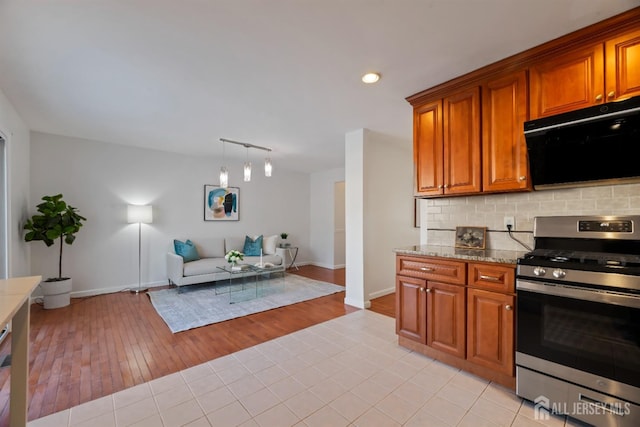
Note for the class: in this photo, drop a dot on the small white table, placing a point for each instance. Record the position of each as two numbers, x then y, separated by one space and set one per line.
288 251
15 306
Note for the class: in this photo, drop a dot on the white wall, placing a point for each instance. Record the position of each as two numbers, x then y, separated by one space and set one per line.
100 179
379 207
16 133
388 209
442 215
322 220
354 219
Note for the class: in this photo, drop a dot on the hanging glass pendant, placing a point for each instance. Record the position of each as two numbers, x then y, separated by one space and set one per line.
267 167
247 171
224 177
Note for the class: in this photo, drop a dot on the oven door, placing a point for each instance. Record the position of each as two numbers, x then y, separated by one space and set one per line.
583 329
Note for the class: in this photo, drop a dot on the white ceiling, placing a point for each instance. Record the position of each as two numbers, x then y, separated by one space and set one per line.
179 75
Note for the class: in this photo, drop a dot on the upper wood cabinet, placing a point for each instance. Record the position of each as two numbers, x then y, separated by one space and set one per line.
623 66
468 131
586 76
427 149
567 82
462 142
504 151
447 145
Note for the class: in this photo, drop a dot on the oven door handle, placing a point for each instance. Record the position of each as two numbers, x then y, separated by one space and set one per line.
601 296
602 406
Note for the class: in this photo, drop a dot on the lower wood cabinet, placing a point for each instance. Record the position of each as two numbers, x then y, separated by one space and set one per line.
490 330
445 318
411 309
465 319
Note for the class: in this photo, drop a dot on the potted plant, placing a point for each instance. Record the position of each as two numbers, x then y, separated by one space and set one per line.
55 221
284 244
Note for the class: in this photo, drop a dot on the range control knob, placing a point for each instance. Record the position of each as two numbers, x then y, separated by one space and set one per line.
559 273
539 271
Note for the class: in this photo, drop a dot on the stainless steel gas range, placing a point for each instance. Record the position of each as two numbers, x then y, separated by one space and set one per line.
578 319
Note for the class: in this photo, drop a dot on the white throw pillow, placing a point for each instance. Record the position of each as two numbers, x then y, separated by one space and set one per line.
269 244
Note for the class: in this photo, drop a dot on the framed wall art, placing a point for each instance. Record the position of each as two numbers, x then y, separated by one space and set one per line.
221 204
471 237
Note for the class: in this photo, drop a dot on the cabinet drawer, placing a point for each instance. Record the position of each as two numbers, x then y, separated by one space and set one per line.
432 269
493 277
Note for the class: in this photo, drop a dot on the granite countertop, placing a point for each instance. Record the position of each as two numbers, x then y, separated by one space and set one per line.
486 255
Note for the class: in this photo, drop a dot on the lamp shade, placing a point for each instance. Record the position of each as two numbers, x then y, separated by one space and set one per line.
140 213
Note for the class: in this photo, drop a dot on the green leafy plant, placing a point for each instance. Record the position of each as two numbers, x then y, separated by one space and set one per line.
234 256
284 235
55 221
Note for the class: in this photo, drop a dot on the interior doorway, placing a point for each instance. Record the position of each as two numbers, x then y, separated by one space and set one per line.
339 243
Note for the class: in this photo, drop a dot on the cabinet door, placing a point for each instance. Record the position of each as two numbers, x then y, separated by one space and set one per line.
462 142
490 339
623 66
411 306
427 149
504 151
567 82
446 318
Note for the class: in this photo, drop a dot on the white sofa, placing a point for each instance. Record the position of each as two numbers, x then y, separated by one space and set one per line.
211 251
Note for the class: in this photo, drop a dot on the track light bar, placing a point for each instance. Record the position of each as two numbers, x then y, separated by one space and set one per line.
245 144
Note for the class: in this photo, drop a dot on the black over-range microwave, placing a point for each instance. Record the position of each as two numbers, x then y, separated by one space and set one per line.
592 146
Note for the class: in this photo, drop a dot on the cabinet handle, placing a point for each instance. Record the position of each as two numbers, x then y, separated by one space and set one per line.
508 307
490 278
426 269
523 178
611 94
440 186
446 186
599 97
427 290
421 289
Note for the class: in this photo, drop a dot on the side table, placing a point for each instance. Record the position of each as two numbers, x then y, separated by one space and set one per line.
290 252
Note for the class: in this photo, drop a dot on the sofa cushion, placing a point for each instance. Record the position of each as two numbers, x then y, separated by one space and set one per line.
187 250
204 266
211 247
252 247
269 244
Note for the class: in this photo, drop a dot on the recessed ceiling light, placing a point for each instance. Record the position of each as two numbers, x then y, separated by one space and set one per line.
371 77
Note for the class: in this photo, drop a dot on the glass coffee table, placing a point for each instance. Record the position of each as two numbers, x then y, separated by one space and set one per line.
252 282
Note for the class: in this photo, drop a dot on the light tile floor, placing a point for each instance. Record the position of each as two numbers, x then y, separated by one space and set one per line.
348 371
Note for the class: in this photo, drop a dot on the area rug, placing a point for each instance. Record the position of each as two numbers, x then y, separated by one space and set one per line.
193 306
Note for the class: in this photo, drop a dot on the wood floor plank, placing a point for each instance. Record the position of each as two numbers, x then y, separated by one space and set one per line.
103 344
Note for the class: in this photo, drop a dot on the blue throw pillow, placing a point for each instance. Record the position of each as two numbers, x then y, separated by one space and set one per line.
252 247
187 250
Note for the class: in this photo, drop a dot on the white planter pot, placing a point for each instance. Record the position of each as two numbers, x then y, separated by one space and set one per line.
56 294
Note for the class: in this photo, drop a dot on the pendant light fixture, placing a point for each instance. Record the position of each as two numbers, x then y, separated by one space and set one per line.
247 168
267 167
224 173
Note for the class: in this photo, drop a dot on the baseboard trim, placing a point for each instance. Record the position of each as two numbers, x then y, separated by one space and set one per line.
357 304
102 291
382 293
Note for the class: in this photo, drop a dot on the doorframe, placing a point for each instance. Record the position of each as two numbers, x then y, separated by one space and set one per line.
4 206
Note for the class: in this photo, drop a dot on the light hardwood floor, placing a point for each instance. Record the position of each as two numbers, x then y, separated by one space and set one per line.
107 343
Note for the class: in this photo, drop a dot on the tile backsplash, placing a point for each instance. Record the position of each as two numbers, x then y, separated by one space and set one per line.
439 217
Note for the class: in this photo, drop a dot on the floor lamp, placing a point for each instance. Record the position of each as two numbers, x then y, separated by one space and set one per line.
140 215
